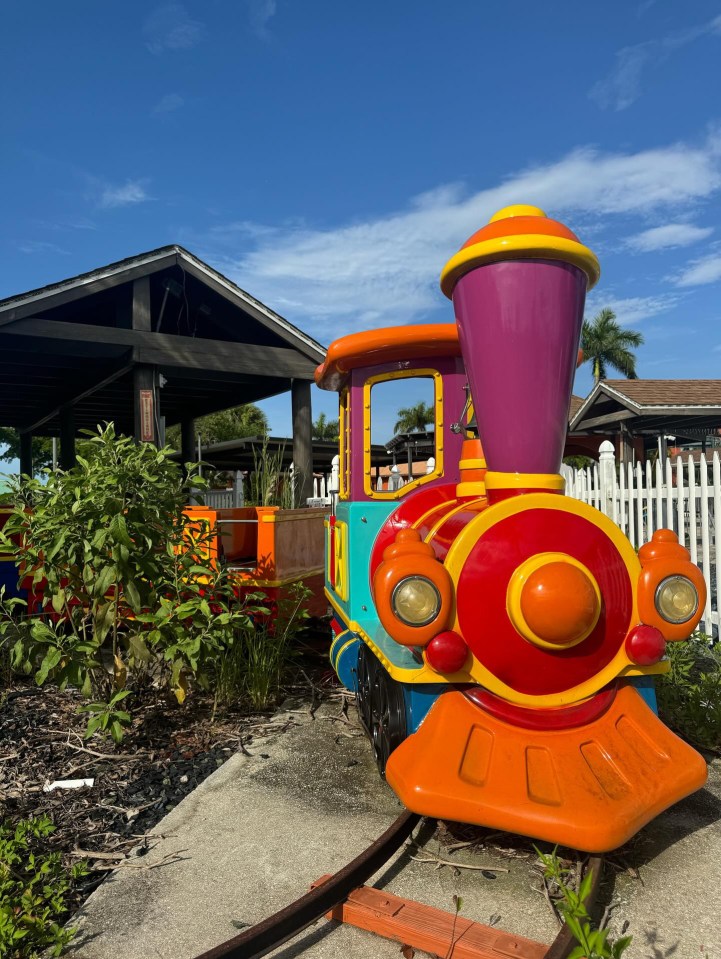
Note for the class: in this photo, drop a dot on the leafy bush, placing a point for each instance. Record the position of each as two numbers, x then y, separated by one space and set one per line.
34 890
689 696
133 594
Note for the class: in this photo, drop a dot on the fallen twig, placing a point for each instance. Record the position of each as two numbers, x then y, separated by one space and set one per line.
459 865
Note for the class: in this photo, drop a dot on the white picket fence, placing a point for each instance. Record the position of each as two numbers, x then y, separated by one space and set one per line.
683 495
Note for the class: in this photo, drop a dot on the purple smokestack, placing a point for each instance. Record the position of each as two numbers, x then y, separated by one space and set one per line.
519 289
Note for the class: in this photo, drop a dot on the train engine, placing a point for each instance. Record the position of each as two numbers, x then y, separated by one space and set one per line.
502 638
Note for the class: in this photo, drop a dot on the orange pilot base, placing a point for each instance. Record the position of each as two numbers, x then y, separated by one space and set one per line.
591 786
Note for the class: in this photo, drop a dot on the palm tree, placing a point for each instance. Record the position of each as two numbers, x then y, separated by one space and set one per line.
414 419
604 343
325 429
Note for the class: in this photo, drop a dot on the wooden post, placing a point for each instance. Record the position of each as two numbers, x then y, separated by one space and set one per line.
26 454
67 438
145 398
302 439
145 394
625 445
187 441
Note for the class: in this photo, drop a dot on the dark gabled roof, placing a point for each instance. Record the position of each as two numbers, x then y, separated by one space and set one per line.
113 274
74 344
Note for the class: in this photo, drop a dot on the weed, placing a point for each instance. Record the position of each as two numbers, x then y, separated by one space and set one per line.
34 890
593 943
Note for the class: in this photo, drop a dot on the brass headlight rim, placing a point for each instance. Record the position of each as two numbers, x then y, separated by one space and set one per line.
428 620
663 583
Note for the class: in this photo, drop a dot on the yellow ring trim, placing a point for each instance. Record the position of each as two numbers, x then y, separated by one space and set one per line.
495 480
515 589
468 537
334 659
530 245
473 488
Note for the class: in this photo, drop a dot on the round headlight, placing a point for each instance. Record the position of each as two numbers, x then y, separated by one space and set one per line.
416 601
676 599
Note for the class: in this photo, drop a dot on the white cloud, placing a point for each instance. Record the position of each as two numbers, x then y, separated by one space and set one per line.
169 103
260 13
128 194
667 237
631 310
622 86
170 27
699 272
388 267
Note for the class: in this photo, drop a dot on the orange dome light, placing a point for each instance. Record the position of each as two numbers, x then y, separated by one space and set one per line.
553 601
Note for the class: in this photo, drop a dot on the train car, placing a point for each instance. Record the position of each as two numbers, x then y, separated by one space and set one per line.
502 638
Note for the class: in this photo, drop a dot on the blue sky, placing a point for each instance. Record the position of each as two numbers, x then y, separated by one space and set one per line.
329 157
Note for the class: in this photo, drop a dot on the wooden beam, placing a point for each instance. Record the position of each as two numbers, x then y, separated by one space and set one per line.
141 304
170 350
71 400
606 420
302 440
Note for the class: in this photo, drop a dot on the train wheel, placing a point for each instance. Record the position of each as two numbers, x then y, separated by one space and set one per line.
388 718
367 668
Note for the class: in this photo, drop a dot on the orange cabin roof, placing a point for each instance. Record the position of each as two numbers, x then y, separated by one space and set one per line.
386 345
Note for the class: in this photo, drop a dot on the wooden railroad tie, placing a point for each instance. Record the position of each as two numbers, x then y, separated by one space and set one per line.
429 929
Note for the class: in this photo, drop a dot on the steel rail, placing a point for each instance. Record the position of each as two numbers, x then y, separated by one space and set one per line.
283 925
272 932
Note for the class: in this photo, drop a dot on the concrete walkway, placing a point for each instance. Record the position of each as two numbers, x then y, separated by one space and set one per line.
257 832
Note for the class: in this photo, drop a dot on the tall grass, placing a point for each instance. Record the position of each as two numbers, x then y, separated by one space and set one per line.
253 670
270 484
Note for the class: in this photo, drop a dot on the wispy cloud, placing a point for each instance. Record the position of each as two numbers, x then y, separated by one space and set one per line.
169 103
41 246
707 269
385 270
170 27
260 13
668 237
622 86
631 310
127 194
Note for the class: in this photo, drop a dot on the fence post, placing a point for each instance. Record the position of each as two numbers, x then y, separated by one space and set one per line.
238 491
607 469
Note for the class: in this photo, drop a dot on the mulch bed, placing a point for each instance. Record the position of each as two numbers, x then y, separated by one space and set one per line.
166 753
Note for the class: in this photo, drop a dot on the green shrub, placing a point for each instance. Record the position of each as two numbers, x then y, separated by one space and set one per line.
689 696
34 891
134 600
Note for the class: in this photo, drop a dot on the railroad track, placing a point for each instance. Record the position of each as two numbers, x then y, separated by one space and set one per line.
333 891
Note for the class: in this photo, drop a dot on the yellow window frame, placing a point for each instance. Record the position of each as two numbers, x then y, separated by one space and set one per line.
344 430
438 424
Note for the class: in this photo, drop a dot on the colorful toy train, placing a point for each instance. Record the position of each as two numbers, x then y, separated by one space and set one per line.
501 637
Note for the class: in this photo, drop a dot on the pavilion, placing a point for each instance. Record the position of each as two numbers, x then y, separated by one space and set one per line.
156 338
635 414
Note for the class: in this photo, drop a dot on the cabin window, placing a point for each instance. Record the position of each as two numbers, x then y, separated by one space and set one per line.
403 412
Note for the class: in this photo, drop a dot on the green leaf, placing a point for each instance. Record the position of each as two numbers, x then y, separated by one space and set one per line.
119 530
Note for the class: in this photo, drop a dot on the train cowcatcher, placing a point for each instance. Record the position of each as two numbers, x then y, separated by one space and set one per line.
501 637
